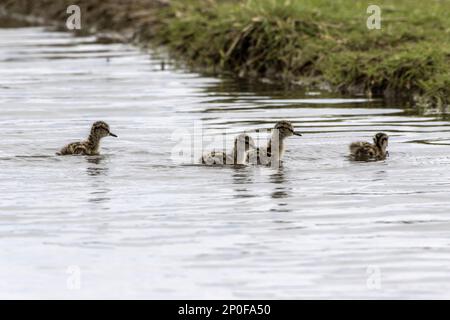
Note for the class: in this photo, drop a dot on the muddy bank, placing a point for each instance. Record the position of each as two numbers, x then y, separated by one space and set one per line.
312 43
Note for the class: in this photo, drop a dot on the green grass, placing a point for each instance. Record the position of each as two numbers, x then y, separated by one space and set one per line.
316 40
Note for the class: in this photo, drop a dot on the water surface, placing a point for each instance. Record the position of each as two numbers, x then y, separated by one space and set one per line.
137 224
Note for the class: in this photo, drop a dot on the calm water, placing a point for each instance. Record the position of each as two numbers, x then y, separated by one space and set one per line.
133 223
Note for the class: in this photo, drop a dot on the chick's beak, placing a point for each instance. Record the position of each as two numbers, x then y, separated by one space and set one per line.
297 133
112 134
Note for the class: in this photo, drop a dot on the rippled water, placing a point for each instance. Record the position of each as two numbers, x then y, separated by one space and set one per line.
137 224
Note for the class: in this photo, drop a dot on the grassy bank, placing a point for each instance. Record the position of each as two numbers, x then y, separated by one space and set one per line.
315 43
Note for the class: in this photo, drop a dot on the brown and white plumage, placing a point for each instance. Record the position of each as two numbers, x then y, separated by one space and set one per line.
242 144
281 131
365 151
90 146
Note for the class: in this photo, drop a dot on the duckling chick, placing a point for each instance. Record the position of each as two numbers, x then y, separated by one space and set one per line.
365 151
282 130
90 146
242 144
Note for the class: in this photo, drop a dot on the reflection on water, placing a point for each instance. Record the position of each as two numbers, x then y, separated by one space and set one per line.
141 226
98 170
98 167
100 196
242 178
280 189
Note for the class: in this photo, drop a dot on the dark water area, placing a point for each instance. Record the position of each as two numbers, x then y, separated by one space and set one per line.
139 222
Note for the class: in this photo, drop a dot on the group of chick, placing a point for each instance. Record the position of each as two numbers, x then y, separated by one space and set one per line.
244 150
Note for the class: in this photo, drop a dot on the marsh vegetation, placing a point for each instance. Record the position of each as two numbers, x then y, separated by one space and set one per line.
315 43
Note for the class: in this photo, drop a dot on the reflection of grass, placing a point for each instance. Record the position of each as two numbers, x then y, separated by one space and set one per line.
310 41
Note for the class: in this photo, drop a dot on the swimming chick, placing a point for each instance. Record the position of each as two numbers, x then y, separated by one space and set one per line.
365 151
242 144
282 130
90 146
